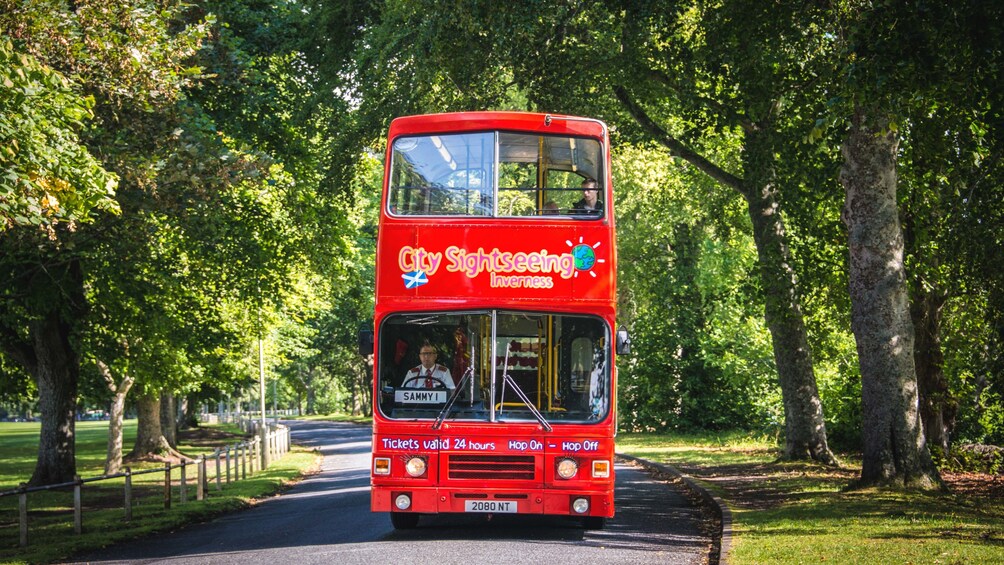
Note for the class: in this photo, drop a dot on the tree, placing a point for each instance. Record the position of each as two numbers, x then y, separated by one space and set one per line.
896 74
895 451
49 184
633 65
136 66
119 389
901 87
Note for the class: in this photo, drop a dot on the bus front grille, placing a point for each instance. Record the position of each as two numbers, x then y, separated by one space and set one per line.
512 467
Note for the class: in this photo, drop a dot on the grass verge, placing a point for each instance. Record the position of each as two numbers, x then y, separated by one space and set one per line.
50 534
800 513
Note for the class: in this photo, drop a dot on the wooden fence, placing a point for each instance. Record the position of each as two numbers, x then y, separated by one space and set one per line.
236 461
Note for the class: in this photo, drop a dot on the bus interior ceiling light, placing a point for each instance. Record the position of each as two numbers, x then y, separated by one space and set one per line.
444 152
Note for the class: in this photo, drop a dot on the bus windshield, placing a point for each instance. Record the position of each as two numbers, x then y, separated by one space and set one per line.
503 366
463 174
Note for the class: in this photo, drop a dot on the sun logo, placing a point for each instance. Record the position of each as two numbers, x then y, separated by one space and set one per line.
584 256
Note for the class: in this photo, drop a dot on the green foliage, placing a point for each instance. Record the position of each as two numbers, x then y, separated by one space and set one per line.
701 357
246 141
47 175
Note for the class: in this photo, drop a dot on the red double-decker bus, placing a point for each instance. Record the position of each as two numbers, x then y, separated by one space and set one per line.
494 380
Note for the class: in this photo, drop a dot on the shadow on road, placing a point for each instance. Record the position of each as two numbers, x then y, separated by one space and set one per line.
326 518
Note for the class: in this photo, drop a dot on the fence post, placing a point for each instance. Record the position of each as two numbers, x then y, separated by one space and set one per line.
128 494
228 464
256 448
218 485
184 481
77 510
200 490
244 461
167 486
22 503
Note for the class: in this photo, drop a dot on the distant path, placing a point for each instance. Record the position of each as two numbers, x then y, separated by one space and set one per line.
326 519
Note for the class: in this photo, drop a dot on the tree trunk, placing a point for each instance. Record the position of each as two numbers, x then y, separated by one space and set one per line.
937 406
149 436
895 450
805 428
189 414
113 457
169 419
353 397
56 372
310 386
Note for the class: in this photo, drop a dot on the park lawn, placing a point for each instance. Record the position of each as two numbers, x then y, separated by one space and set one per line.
801 512
50 534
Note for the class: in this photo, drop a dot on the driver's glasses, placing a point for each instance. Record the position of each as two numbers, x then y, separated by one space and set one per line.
427 353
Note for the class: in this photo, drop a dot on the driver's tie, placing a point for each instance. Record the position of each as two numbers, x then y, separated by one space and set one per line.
428 381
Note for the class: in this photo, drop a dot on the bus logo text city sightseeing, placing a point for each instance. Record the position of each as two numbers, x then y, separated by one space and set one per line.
506 269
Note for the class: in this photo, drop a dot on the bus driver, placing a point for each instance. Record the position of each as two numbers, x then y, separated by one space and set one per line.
432 372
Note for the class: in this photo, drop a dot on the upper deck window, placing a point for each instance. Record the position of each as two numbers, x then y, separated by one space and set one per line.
457 174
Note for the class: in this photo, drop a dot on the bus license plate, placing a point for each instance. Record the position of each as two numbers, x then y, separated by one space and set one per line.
494 506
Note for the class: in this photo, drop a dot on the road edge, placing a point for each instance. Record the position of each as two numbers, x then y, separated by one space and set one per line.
722 535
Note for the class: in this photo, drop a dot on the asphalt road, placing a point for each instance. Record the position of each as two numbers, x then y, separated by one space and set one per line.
326 519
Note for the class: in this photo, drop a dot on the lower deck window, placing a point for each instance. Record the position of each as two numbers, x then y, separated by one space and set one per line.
500 366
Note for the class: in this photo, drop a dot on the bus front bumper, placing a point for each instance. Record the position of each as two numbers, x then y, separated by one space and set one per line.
435 500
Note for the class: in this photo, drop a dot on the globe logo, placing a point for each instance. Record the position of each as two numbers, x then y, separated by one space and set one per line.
584 257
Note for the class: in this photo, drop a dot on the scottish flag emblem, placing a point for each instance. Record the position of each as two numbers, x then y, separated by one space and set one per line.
414 279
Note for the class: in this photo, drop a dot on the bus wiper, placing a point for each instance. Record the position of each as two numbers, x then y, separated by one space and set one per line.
453 398
468 377
506 378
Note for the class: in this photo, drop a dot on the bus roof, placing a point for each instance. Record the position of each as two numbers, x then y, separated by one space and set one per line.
556 124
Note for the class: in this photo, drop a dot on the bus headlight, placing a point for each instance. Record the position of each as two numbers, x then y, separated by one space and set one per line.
567 468
415 466
601 469
381 465
402 501
580 505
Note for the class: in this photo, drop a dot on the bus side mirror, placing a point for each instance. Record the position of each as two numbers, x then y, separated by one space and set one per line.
623 341
365 342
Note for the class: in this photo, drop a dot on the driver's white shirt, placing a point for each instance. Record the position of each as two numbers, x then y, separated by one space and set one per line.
438 372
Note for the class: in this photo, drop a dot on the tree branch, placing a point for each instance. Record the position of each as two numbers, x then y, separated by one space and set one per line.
18 349
674 145
106 373
734 117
